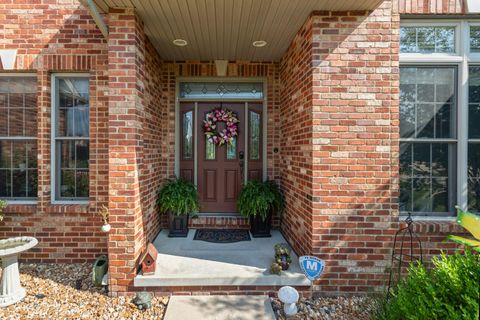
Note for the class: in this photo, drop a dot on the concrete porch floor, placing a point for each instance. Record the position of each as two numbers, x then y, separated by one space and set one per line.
188 262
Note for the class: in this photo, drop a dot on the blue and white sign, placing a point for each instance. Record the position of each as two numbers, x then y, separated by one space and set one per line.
311 266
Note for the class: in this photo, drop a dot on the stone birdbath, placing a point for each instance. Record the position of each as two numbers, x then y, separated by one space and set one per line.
11 291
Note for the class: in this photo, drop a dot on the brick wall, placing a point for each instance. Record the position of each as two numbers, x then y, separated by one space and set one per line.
340 110
296 150
431 6
155 167
64 38
355 107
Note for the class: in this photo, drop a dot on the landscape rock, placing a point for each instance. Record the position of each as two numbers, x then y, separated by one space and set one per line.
328 308
52 294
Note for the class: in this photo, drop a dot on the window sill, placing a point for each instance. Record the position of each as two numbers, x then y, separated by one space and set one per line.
429 219
439 226
21 202
71 202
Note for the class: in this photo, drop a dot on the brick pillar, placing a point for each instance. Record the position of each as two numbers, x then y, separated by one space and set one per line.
340 149
125 63
355 176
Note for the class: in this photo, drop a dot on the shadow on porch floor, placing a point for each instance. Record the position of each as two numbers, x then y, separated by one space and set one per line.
188 262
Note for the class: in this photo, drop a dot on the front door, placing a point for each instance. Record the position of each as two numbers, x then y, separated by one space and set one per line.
220 170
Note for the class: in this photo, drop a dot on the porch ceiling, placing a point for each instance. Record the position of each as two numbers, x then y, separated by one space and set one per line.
225 29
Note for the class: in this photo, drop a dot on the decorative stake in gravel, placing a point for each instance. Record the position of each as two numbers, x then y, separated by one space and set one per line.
289 296
11 291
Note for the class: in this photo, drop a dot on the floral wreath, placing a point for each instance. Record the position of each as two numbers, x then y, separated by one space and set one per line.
228 134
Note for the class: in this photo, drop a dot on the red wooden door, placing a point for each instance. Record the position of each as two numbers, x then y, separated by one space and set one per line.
220 170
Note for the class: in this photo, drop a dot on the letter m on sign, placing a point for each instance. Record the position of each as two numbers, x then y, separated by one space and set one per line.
311 266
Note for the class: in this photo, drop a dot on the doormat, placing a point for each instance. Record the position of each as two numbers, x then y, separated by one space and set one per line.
222 235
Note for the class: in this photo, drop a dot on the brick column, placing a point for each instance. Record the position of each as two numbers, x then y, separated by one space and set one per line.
125 61
355 169
340 132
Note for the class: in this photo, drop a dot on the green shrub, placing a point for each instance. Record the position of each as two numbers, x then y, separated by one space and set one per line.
450 290
178 197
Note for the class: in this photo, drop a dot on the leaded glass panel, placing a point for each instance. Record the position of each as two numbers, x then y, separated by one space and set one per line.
254 135
221 90
187 135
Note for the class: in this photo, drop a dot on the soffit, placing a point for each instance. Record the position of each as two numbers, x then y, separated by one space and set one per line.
225 29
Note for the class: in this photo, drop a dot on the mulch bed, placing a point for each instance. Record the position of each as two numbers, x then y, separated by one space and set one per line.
52 294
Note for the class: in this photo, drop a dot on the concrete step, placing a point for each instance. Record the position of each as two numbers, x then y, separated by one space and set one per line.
219 308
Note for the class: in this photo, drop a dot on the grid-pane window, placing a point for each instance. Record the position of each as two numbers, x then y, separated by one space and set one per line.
71 135
427 39
18 137
474 138
474 38
428 139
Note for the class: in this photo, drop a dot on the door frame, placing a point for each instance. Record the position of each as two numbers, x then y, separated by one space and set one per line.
264 101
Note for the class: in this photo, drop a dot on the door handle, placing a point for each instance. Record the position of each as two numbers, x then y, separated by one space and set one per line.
241 155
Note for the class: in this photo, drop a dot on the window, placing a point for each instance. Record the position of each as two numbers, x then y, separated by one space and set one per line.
474 138
187 135
222 90
254 135
427 39
70 137
428 133
475 39
439 117
18 137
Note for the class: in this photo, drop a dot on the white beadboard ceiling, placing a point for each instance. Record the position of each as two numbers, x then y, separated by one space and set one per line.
225 29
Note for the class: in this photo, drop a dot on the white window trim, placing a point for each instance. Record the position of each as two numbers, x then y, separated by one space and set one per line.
5 73
53 162
462 59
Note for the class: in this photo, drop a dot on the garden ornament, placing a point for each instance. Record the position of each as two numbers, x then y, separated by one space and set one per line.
11 291
407 249
282 255
275 268
143 300
289 296
471 222
100 268
105 214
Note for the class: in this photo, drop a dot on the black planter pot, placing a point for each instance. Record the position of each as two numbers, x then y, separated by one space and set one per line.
178 226
261 228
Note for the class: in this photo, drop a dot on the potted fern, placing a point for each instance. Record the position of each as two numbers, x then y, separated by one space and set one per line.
179 199
258 201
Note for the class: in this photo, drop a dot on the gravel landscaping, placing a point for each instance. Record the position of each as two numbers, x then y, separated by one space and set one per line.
52 294
352 308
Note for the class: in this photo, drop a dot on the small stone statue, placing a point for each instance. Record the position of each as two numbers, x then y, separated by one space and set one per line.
143 300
